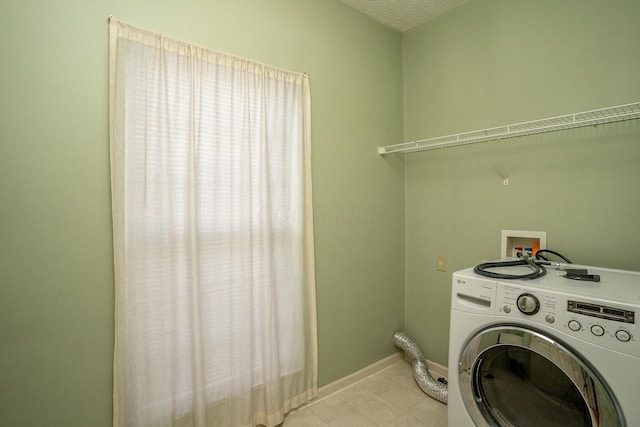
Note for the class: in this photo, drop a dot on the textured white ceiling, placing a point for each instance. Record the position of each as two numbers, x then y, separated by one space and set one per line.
402 15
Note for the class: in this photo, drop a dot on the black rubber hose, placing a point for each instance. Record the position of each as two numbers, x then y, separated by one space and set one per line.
538 270
559 255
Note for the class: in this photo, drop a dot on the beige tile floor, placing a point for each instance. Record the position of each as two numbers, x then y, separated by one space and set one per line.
388 398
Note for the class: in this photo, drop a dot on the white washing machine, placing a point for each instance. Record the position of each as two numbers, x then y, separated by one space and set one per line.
545 352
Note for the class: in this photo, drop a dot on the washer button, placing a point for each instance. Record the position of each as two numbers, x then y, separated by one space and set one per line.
549 318
506 309
623 336
597 330
574 325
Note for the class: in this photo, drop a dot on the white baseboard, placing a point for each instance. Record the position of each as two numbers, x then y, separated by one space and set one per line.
436 370
357 376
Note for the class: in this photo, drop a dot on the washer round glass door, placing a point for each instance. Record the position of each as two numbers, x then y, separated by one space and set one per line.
512 376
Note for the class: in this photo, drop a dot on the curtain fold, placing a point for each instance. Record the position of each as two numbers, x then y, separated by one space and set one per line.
215 317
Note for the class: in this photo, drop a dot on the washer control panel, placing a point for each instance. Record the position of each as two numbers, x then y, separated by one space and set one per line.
607 325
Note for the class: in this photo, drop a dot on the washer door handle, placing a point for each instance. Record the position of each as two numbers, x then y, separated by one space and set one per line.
476 380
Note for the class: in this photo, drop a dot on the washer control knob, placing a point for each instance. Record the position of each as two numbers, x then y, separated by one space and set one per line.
574 325
506 309
597 330
549 318
623 336
528 304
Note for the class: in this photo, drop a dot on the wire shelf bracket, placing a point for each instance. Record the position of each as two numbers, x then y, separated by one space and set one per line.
551 124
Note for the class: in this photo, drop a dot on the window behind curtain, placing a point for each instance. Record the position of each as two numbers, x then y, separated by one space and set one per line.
215 307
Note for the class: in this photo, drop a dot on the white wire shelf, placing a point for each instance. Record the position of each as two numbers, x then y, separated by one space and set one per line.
551 124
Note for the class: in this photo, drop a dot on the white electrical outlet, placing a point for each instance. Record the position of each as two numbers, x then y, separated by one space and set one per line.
441 263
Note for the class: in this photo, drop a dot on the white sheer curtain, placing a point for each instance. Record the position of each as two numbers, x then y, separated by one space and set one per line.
213 242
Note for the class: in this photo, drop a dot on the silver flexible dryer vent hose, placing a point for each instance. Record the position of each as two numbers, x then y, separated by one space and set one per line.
433 388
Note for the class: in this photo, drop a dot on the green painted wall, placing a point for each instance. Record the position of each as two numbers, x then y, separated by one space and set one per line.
487 63
56 271
495 62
